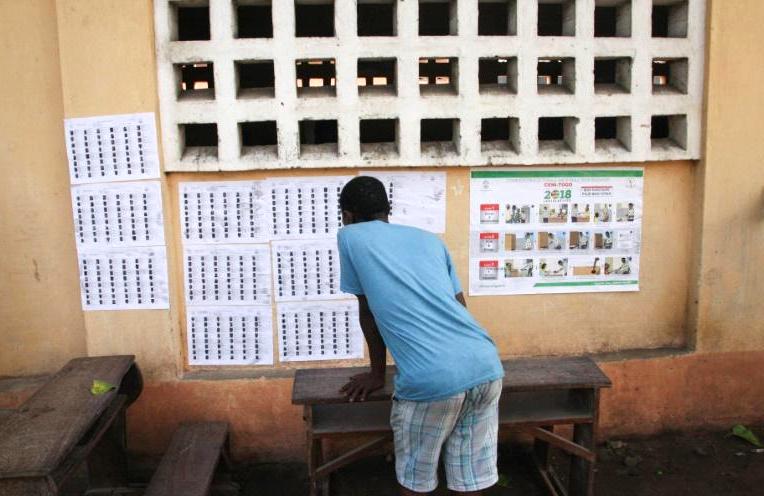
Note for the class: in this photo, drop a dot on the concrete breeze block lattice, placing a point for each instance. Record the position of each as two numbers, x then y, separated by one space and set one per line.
625 61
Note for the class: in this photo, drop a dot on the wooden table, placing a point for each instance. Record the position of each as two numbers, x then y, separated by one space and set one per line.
538 394
63 426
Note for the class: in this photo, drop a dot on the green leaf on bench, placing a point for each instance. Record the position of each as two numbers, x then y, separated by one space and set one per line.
101 387
743 432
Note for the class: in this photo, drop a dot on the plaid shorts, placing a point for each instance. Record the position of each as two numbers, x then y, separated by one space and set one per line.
464 426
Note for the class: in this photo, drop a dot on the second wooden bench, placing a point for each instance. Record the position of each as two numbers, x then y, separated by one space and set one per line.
188 466
538 394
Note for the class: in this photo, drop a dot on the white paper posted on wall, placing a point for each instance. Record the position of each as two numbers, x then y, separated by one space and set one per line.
306 208
123 278
225 212
306 270
417 199
227 275
535 231
229 335
319 331
112 148
118 214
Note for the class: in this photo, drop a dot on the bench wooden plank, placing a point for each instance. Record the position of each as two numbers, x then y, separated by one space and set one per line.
80 452
44 429
5 413
515 409
321 386
368 417
188 466
523 408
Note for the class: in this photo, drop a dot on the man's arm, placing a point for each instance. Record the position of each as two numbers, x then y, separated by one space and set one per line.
361 385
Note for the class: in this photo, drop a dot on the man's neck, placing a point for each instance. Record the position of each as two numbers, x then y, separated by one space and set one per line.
382 217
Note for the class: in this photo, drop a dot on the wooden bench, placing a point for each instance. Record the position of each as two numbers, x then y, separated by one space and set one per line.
189 464
538 394
5 413
63 425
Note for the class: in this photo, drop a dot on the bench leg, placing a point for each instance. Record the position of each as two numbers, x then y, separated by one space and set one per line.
325 482
107 462
314 451
541 449
582 471
541 455
314 461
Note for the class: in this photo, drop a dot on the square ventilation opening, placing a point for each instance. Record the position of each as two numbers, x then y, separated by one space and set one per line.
318 138
612 75
557 134
376 77
556 18
670 18
379 137
314 18
439 137
316 77
612 134
195 81
497 17
254 19
556 76
498 75
668 132
500 134
438 76
189 20
670 76
377 18
255 79
258 139
612 18
199 141
437 18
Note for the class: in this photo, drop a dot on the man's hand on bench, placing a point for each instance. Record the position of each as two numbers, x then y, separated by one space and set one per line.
361 385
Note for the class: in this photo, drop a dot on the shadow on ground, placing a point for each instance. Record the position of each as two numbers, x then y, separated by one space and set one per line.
374 476
674 464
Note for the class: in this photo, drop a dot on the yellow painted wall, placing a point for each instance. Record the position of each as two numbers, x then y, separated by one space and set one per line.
730 249
41 322
703 239
108 67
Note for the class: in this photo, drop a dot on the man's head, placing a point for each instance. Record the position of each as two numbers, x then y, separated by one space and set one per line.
363 199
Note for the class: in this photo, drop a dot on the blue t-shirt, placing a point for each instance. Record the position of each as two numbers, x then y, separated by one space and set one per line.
409 281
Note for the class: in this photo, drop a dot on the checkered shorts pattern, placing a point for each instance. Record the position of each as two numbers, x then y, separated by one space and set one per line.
465 427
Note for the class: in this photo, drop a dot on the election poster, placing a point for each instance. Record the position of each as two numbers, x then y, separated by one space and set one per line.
555 230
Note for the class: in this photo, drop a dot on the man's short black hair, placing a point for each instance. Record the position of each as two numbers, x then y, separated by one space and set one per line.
365 197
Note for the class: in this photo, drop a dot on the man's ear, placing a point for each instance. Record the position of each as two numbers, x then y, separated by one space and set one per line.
347 218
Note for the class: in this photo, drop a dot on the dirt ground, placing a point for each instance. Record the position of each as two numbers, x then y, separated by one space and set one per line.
674 464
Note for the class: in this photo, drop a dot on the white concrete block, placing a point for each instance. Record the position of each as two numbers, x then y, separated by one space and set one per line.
634 101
